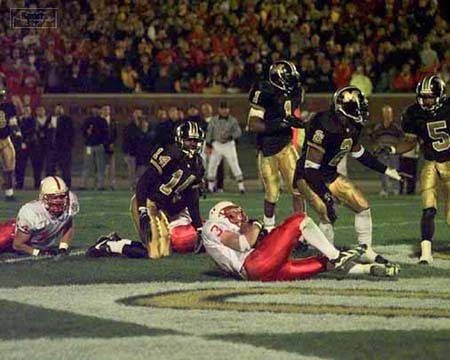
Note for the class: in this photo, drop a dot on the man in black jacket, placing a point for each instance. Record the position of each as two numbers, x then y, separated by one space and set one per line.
110 151
61 140
130 139
95 134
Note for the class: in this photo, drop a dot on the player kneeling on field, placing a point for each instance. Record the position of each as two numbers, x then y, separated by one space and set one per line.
43 226
183 239
242 248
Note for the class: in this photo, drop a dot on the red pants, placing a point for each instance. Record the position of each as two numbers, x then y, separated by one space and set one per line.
270 260
7 231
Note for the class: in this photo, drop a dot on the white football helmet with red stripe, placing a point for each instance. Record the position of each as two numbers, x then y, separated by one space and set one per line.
229 211
54 194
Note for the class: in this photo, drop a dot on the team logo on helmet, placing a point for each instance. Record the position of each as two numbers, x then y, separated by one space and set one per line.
352 103
189 136
54 194
430 93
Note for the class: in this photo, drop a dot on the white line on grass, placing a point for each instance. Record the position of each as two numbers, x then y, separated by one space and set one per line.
39 258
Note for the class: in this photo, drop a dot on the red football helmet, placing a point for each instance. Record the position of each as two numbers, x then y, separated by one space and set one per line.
54 194
230 211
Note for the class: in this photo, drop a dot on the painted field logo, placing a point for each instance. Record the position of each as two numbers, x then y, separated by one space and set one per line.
34 18
373 302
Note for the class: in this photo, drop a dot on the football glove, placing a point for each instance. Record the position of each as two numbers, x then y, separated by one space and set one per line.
394 174
291 121
144 225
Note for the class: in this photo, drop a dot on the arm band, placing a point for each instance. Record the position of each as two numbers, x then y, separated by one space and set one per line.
370 161
243 243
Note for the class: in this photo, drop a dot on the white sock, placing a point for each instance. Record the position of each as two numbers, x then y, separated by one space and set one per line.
328 231
9 192
117 246
360 269
316 238
269 221
241 186
211 185
363 227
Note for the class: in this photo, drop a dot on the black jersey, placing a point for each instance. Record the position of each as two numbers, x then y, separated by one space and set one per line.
333 137
7 113
276 107
432 130
169 178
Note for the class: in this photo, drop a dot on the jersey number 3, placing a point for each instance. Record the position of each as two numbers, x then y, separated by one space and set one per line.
437 130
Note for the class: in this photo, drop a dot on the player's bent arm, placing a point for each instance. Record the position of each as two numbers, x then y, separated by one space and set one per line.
20 243
193 205
256 120
67 237
144 185
242 241
367 159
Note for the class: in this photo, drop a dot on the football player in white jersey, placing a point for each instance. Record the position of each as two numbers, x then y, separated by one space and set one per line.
44 226
243 248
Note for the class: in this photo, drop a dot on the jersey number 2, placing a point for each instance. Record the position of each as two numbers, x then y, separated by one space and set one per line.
437 131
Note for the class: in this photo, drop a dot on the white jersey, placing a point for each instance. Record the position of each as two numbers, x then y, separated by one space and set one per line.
228 259
44 228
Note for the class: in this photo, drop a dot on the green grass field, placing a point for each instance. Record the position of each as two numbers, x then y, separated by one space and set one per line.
182 308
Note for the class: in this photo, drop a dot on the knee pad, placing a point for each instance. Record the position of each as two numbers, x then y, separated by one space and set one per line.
183 238
429 213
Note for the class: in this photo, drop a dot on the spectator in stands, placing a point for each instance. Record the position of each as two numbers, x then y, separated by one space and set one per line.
27 150
61 141
387 133
130 141
145 145
342 72
164 129
110 147
362 81
404 81
95 134
429 58
43 131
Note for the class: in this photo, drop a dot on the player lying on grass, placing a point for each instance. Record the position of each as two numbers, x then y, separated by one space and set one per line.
43 226
242 248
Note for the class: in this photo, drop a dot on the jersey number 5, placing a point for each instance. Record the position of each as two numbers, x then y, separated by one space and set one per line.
437 131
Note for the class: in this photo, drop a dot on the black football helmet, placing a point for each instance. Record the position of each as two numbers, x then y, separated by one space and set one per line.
189 130
284 76
430 93
352 103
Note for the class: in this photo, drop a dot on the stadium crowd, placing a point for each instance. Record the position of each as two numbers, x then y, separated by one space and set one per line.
223 46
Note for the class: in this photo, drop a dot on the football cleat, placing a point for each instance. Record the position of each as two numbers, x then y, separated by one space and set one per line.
101 247
369 256
113 236
347 256
384 270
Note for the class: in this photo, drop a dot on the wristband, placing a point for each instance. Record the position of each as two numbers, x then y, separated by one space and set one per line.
393 150
35 252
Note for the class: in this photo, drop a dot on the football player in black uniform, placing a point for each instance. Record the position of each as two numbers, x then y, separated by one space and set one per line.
167 192
8 127
272 107
428 122
331 135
